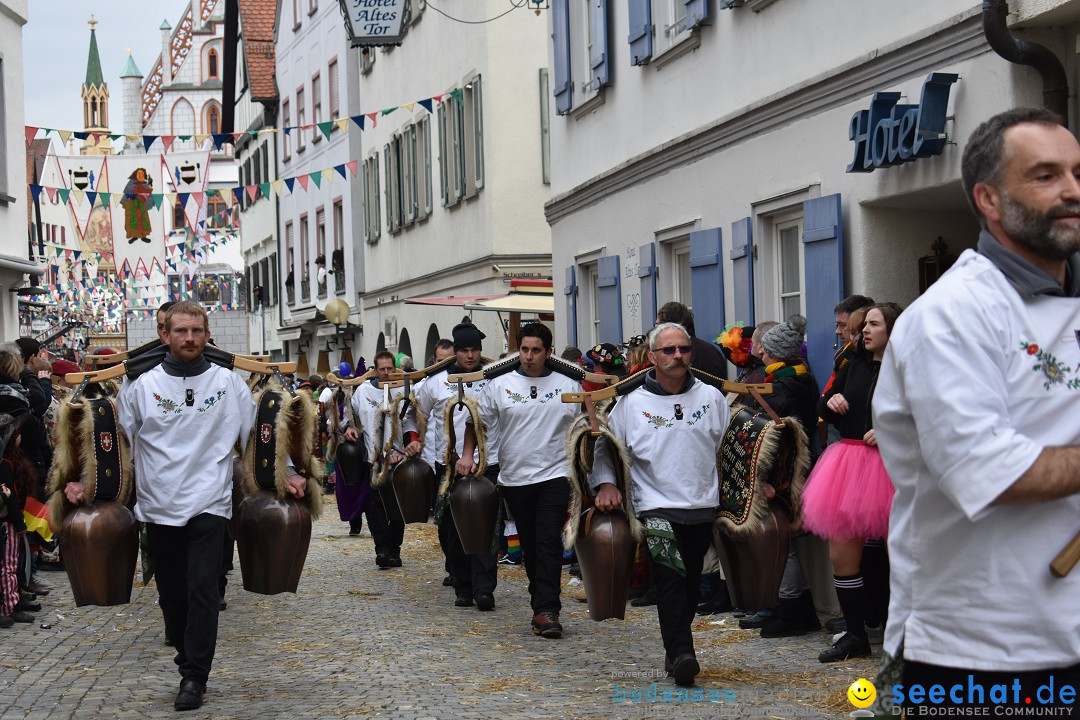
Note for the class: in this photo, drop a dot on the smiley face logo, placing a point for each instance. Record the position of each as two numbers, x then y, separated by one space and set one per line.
862 693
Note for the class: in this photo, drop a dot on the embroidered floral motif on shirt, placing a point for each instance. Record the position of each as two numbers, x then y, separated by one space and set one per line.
167 405
547 398
658 421
516 398
1054 372
211 401
698 414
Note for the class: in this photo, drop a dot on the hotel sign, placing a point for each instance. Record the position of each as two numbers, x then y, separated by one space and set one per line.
374 22
892 134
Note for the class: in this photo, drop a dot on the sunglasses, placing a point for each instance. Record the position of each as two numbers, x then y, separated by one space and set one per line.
670 349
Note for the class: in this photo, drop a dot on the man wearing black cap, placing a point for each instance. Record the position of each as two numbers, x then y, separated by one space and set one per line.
474 575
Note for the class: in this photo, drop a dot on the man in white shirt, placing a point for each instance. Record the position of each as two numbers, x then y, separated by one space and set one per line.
184 418
524 411
473 576
977 414
384 518
672 427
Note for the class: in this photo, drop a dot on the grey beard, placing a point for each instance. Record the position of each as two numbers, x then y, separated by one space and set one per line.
1038 232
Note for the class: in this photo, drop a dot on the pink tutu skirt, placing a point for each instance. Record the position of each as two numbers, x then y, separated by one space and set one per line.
848 494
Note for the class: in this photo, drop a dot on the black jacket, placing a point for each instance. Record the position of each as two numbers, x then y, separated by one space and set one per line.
794 396
856 382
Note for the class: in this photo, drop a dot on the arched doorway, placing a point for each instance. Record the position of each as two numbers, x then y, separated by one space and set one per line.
380 344
429 346
405 345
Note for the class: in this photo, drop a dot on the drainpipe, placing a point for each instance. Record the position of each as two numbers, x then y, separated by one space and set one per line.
1021 52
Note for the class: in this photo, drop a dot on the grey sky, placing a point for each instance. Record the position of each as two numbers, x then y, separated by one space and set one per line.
56 43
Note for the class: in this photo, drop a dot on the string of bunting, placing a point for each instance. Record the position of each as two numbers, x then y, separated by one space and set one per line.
363 119
238 192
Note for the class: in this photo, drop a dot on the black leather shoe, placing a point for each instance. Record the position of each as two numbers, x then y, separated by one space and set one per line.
222 605
485 601
684 669
448 581
6 622
393 561
28 605
847 647
190 695
463 601
22 617
382 560
758 620
649 598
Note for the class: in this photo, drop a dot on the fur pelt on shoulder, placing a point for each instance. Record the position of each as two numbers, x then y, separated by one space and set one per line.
384 446
451 442
74 460
296 432
579 448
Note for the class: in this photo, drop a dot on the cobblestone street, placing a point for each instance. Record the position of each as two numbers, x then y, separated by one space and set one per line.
357 642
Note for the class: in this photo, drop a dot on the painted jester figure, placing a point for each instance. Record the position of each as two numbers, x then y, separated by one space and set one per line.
184 417
977 415
671 427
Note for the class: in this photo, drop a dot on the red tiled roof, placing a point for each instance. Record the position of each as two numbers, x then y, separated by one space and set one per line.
257 26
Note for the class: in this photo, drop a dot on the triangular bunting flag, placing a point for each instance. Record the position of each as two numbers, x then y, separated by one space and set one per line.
277 185
183 138
374 118
387 111
200 139
352 167
81 135
326 128
342 123
219 138
31 131
252 192
65 135
458 94
51 192
167 141
239 193
182 198
265 188
303 181
92 197
80 196
105 198
359 120
409 106
289 183
35 191
63 192
316 177
341 171
426 104
147 141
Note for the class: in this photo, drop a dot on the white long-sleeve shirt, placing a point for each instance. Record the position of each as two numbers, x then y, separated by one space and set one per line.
366 401
672 459
183 454
431 398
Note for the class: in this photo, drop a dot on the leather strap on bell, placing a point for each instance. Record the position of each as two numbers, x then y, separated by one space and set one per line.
106 450
594 423
266 438
765 406
588 519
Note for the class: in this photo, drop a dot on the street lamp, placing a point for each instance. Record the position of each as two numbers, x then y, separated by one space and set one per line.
337 313
374 22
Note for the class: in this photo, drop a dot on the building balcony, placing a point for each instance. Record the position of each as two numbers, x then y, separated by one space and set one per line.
322 289
290 294
339 282
305 289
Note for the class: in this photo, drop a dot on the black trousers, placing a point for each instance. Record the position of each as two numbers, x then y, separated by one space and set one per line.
540 513
677 596
473 574
187 562
385 522
975 688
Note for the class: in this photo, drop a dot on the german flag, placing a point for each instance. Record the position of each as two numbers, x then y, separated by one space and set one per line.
36 517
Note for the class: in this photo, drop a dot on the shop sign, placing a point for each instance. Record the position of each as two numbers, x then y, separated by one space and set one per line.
374 22
892 134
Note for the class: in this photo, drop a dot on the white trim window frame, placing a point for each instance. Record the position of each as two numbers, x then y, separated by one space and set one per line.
788 265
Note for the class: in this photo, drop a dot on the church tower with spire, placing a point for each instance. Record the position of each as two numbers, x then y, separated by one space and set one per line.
95 98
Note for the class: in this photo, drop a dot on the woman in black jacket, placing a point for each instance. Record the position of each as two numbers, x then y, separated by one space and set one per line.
848 495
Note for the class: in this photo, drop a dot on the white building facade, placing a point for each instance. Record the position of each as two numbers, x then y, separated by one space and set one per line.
320 260
703 153
15 265
454 192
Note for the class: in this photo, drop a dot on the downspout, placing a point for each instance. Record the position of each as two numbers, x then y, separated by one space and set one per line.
1021 52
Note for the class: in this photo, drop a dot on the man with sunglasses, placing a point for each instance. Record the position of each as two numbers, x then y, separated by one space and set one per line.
671 427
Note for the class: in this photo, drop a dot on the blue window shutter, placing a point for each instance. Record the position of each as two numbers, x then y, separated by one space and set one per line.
707 282
742 266
697 13
570 289
598 28
609 297
823 260
647 272
560 39
640 38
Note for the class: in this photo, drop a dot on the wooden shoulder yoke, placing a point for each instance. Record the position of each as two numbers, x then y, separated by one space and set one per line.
636 380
